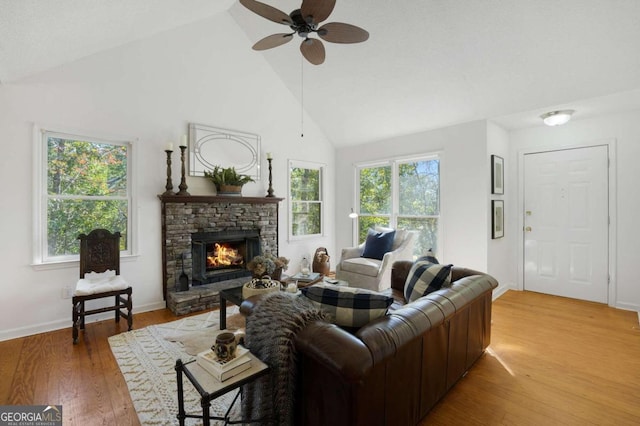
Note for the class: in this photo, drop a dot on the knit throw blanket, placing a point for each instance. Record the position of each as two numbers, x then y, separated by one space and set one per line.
270 332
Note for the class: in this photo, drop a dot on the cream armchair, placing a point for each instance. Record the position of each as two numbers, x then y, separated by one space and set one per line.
374 274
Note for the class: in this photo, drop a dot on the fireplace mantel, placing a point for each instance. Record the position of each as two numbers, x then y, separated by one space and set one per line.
183 216
217 199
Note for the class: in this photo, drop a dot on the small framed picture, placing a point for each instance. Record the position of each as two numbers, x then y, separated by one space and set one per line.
497 175
497 219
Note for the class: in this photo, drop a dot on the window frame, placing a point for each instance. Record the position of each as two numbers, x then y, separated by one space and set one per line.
41 134
321 167
394 216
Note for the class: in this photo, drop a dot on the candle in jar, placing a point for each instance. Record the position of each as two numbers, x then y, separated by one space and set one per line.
292 287
183 140
269 156
169 146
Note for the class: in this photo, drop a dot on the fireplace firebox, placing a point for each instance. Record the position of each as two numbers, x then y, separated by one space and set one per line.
222 255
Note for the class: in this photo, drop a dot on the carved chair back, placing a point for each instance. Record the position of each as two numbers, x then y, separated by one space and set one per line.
99 251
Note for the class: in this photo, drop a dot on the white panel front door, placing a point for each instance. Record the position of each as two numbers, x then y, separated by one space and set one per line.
566 222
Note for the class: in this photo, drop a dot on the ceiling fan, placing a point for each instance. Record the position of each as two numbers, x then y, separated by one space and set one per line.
304 22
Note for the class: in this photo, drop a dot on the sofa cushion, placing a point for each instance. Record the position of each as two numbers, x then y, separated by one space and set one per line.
378 243
99 283
348 306
362 266
426 277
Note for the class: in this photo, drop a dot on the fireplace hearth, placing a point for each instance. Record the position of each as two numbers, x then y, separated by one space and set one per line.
220 256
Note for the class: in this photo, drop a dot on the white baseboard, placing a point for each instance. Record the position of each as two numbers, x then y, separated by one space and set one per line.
500 290
44 327
628 307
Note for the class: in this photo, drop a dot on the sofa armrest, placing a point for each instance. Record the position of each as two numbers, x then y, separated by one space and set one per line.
337 350
458 273
399 272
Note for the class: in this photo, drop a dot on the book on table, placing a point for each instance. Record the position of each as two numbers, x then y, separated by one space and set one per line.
312 276
223 370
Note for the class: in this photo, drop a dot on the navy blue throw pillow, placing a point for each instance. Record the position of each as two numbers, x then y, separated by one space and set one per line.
378 243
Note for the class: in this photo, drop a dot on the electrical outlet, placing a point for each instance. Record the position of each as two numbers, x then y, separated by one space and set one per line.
67 292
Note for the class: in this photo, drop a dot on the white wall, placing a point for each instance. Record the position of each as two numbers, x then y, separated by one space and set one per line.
464 187
501 258
625 129
149 90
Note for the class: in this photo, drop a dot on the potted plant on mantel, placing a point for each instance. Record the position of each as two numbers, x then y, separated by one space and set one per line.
227 180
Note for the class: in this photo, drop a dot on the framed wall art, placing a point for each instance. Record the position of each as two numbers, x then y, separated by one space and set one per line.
211 146
497 175
497 219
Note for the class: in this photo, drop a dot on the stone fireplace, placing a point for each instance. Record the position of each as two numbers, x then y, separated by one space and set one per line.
190 224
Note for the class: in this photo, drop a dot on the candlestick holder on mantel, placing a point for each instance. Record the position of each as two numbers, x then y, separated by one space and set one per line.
183 182
169 185
270 190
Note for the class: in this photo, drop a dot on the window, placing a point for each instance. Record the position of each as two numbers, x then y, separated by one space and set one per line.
306 210
402 194
83 183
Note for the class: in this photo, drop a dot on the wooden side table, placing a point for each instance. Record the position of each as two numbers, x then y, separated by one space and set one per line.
210 388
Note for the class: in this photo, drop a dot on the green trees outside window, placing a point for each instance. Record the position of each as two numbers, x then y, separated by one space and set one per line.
87 187
402 194
305 192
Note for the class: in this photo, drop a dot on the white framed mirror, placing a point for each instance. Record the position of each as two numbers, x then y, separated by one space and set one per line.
211 146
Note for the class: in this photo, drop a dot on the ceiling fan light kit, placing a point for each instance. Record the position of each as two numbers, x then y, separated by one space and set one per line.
304 22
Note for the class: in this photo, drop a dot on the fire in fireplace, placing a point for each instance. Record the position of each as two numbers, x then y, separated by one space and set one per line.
223 255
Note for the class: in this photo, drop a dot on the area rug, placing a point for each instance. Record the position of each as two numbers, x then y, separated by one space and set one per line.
147 359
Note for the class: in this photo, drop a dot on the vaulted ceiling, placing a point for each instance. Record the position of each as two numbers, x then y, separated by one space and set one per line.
427 63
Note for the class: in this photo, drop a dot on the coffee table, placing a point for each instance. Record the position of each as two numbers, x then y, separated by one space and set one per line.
233 295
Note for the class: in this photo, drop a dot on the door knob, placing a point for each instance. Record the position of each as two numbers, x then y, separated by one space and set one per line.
527 229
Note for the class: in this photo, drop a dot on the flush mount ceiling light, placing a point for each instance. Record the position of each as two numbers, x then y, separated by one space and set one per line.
557 118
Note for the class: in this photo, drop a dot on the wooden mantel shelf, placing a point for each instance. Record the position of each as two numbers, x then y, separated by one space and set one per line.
217 199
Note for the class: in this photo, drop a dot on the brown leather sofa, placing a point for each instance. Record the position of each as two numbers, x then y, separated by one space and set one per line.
395 369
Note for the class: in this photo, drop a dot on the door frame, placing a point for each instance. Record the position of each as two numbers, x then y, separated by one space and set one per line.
612 173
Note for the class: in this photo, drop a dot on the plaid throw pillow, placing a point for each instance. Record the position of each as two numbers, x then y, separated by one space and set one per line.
348 306
424 278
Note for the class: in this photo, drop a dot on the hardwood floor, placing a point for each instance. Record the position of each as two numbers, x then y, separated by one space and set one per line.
552 361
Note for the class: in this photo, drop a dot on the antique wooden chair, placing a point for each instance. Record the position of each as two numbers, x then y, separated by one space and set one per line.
100 278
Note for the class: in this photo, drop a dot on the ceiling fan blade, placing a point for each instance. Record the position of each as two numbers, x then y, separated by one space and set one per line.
272 41
313 50
266 11
316 11
337 32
